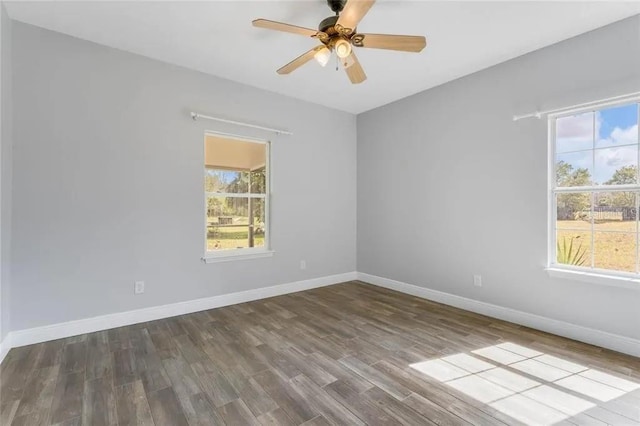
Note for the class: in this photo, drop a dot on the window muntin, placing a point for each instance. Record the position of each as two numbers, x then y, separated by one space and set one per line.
236 180
595 190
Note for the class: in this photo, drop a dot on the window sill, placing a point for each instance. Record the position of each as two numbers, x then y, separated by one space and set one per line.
595 278
229 257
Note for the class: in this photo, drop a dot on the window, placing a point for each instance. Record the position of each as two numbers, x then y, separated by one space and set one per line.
236 186
595 190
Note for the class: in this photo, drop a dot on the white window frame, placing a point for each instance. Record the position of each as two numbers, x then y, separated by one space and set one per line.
582 273
211 256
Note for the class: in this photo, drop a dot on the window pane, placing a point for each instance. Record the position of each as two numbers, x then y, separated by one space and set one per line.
574 169
575 133
615 251
617 126
573 228
616 166
233 182
573 211
259 181
573 247
259 221
614 211
228 224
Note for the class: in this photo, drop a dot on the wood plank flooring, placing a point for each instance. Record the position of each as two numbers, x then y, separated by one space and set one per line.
347 354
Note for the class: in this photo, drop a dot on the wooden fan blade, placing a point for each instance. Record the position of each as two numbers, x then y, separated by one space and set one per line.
390 41
354 69
353 13
300 61
279 26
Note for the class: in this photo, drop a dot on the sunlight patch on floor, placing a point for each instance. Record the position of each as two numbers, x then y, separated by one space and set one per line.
529 411
591 388
499 355
608 379
525 384
481 389
559 400
509 380
440 370
541 370
468 363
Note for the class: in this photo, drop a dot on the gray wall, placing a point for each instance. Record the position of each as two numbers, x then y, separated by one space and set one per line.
5 169
108 182
449 186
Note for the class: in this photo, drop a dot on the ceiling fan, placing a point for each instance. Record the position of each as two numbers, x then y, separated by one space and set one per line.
339 33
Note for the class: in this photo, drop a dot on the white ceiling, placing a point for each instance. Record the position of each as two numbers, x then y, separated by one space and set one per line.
216 37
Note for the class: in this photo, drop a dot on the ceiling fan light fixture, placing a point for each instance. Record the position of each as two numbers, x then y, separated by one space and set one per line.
343 48
322 56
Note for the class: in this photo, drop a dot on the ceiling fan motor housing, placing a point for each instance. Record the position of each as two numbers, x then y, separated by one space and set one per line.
327 25
337 5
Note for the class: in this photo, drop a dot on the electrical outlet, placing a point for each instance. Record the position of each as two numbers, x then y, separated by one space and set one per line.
477 280
138 287
303 264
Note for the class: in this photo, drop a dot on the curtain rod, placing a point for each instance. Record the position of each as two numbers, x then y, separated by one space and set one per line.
614 99
195 116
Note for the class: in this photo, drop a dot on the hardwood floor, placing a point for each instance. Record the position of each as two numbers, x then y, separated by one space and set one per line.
348 354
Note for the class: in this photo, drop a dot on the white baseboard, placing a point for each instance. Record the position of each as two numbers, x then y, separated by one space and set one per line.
5 345
104 322
592 336
72 328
